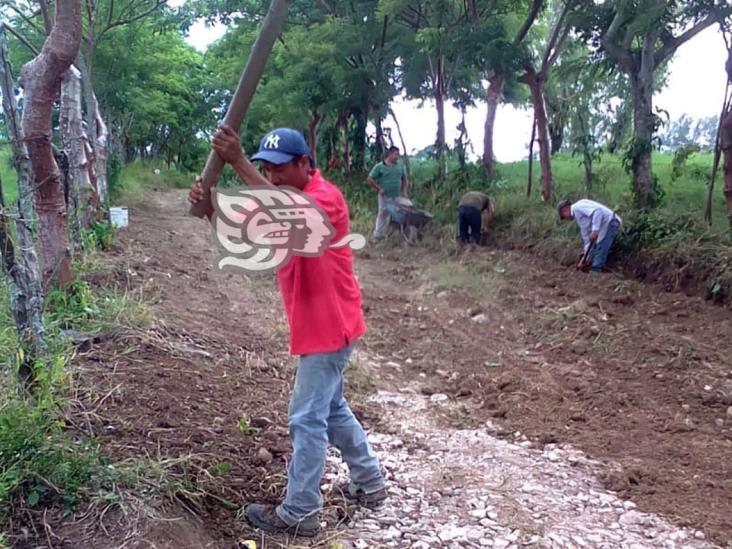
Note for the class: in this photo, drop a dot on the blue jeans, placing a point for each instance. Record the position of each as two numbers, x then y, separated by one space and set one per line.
469 223
602 248
319 414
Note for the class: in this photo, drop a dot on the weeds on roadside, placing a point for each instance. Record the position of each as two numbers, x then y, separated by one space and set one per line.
41 465
99 236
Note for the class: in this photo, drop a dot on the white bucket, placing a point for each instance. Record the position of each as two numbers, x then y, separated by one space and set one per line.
118 216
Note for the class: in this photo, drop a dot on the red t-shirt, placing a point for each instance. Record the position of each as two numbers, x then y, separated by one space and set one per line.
321 295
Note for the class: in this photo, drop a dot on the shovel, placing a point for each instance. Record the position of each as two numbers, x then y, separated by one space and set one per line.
584 264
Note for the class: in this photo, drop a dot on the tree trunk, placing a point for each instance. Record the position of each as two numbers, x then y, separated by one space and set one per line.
21 263
41 78
97 129
462 140
440 143
343 122
530 181
726 144
536 85
586 152
20 159
726 107
81 196
440 93
380 140
407 164
359 145
313 126
643 125
556 137
493 95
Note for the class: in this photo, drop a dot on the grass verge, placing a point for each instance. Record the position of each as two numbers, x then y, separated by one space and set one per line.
43 465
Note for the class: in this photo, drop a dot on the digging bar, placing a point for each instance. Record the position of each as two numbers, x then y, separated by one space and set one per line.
271 28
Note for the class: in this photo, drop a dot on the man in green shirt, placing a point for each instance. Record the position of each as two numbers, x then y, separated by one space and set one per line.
472 205
389 179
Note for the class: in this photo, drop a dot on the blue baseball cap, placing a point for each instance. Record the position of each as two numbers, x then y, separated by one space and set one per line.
281 146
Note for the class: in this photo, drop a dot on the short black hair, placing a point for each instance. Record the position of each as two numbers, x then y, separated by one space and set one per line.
296 160
392 148
563 204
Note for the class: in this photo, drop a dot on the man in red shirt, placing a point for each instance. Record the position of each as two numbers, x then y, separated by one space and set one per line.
323 303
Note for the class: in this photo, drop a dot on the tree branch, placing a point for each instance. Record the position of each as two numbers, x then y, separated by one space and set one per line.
452 71
554 40
25 18
648 51
132 18
530 18
20 38
47 22
557 49
110 15
668 48
620 54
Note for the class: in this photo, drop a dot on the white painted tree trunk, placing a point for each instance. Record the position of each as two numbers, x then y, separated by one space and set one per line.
81 199
97 130
101 151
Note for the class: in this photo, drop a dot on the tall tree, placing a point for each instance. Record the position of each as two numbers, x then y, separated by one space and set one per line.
78 185
20 262
724 133
501 55
434 57
535 78
100 17
640 36
41 78
82 199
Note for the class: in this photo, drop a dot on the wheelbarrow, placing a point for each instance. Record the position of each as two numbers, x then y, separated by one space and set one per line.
408 218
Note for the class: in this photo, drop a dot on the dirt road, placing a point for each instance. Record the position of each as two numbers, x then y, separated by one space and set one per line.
513 403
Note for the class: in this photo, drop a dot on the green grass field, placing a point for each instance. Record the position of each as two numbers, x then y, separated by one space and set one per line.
134 178
684 196
672 238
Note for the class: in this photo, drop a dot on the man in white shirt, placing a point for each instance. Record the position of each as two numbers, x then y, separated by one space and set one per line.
598 226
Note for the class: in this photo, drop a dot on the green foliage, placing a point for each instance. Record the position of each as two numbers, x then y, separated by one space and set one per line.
681 155
245 427
39 465
156 86
89 311
7 175
65 307
646 229
99 236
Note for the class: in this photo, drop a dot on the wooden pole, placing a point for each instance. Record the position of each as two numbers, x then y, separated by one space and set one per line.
261 49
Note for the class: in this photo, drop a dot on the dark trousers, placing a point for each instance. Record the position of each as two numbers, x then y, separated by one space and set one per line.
469 224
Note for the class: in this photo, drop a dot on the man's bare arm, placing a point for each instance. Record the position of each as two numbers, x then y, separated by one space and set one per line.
489 215
375 185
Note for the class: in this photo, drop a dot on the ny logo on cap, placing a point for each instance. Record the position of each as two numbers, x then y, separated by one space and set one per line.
272 141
